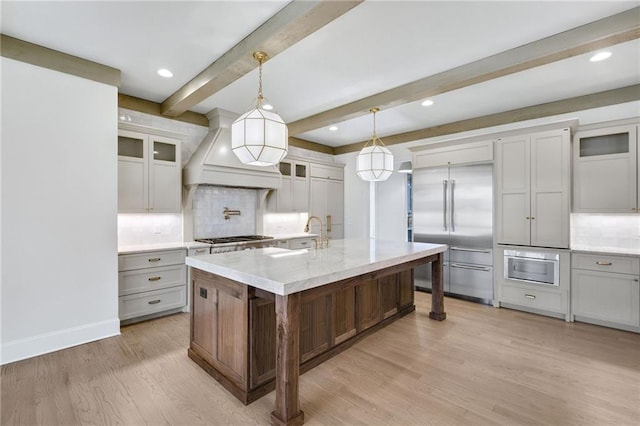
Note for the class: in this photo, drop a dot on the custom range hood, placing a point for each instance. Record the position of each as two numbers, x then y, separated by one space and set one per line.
214 163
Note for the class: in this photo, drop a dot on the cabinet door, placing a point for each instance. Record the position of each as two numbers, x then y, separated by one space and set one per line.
368 304
205 316
405 288
344 315
300 187
513 190
389 295
283 193
165 182
314 327
133 172
317 202
335 207
550 188
605 170
262 340
604 296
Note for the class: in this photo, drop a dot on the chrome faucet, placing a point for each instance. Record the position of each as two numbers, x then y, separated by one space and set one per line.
323 240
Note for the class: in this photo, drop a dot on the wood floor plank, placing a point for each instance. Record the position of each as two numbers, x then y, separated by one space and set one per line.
482 366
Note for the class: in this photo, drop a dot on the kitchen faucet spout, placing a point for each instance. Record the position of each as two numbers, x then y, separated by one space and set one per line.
323 240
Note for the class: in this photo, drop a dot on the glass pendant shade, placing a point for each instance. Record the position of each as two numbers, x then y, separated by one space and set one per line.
374 162
259 138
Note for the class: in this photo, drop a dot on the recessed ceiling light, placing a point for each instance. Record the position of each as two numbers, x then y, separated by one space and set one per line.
427 102
163 72
333 128
600 56
268 107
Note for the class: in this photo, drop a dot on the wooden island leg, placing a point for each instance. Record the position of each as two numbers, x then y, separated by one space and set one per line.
287 410
437 290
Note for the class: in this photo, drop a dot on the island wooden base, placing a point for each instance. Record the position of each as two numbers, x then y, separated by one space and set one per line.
252 341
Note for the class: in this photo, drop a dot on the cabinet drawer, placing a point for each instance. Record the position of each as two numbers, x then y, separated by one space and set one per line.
606 263
300 243
537 299
127 262
327 172
140 280
137 305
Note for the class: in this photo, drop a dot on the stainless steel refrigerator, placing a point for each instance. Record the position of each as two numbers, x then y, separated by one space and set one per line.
454 206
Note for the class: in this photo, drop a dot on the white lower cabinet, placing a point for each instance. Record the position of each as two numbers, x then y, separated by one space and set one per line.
151 283
605 290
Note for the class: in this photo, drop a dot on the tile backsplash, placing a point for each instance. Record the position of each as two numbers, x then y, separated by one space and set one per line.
284 223
208 204
149 228
605 231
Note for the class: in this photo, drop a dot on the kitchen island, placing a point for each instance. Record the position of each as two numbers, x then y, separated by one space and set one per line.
261 317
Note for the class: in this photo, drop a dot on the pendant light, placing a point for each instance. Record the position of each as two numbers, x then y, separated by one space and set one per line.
259 137
375 161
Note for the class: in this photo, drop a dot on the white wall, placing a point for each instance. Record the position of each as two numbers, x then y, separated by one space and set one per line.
59 207
356 199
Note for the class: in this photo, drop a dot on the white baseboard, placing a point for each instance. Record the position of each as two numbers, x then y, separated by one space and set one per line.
50 342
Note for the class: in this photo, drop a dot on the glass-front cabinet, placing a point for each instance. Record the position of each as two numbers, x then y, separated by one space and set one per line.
605 164
149 173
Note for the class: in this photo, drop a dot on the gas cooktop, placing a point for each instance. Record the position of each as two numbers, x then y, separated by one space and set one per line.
234 239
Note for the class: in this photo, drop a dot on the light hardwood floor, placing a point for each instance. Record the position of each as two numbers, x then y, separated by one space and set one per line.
481 366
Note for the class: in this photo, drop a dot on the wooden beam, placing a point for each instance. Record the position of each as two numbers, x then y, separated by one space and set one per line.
153 108
594 100
312 146
609 31
44 57
294 22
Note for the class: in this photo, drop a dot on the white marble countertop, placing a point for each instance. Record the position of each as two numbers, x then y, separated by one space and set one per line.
606 250
139 248
283 271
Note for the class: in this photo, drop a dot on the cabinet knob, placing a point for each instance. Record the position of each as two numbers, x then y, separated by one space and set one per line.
532 218
528 218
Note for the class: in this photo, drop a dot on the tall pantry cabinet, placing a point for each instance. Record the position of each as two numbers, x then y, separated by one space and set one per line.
533 182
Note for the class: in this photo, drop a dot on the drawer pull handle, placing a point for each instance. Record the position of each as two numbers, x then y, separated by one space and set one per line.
602 263
304 243
154 302
201 250
154 259
530 296
155 278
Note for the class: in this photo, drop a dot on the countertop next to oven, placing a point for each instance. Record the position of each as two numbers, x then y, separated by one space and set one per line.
606 250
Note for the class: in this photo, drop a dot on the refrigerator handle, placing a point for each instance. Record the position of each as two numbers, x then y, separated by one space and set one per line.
444 204
453 186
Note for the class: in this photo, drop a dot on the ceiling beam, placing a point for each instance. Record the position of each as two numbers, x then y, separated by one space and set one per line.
580 103
291 24
605 32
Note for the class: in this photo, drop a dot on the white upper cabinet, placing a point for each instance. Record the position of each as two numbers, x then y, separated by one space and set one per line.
293 195
533 189
149 173
605 167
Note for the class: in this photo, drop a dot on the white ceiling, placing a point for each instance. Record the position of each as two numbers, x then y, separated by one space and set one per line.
376 46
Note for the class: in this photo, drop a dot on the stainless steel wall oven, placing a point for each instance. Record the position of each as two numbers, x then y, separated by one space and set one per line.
532 267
